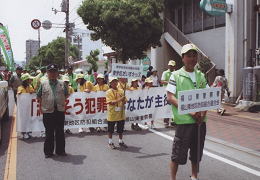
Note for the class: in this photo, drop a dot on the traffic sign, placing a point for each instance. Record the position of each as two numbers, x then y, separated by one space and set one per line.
47 24
36 23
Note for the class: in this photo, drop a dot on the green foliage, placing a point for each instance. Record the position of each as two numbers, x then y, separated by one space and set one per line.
129 27
93 59
54 52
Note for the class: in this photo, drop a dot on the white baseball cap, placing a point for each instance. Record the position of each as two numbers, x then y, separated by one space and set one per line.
188 47
112 79
171 63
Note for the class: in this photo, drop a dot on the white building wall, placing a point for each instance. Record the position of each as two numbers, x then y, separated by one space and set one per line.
88 45
212 43
32 47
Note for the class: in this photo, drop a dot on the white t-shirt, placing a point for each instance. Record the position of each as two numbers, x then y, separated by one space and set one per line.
155 80
171 87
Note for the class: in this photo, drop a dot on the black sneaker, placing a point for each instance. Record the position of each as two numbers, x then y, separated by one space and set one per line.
123 145
62 154
112 146
68 131
48 155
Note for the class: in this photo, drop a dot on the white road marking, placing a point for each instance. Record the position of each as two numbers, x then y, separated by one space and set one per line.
227 161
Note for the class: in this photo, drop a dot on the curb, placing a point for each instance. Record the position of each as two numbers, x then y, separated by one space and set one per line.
234 146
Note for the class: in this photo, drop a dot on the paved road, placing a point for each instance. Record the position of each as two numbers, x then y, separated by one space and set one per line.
147 157
89 158
6 134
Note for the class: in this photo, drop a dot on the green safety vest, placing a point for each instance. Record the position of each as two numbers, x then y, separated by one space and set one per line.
183 82
167 76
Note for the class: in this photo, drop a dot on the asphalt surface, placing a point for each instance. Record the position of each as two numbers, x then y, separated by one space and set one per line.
6 135
147 157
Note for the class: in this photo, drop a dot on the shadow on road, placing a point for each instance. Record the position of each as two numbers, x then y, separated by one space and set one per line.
131 149
70 158
152 155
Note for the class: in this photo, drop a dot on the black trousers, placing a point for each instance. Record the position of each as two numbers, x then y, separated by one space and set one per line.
54 129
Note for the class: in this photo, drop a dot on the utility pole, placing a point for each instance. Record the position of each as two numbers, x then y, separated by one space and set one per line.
78 39
67 28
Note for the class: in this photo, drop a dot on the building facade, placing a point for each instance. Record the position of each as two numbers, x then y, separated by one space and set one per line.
32 47
81 39
226 42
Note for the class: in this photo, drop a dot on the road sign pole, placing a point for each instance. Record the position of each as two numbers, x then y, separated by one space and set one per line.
67 33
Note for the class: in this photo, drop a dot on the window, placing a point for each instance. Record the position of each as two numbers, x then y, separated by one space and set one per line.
187 17
220 21
197 16
208 21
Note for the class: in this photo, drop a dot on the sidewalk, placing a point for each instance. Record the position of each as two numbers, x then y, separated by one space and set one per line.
235 128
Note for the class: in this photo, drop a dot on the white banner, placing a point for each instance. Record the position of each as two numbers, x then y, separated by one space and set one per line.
199 100
90 109
127 71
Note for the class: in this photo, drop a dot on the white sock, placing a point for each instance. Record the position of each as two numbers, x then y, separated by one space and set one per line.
120 140
110 141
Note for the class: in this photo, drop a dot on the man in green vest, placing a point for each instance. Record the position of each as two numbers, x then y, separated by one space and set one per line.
186 134
72 76
164 80
52 94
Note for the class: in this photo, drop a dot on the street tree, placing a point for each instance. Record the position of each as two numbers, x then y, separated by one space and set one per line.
93 59
129 27
53 52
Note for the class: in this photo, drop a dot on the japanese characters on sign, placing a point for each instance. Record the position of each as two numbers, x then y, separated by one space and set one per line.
199 100
127 71
90 109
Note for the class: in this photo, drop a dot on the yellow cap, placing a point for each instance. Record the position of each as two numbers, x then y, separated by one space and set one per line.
171 63
148 80
188 47
79 76
112 79
100 76
25 77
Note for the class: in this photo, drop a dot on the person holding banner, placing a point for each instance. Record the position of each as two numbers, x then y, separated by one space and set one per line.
148 85
66 81
84 86
134 87
100 86
122 84
52 94
164 80
115 116
191 128
25 88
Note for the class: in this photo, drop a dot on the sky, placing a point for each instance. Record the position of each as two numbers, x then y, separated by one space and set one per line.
18 14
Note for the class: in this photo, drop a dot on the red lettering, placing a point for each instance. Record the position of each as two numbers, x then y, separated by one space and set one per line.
78 104
67 107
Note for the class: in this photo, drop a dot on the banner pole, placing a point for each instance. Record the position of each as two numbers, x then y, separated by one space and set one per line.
198 149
